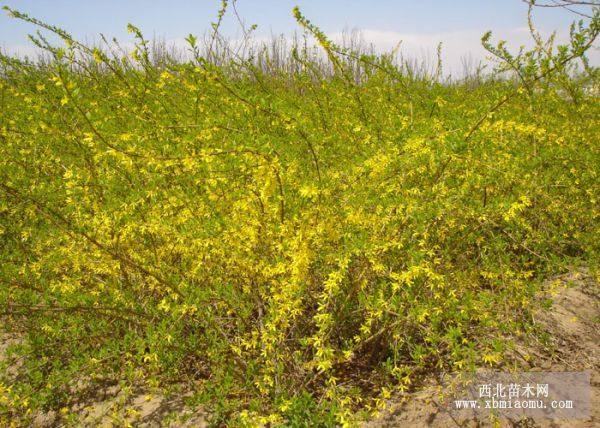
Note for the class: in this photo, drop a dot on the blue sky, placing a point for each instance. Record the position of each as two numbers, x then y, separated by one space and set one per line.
421 24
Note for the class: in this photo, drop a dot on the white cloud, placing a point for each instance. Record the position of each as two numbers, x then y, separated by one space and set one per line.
21 50
457 46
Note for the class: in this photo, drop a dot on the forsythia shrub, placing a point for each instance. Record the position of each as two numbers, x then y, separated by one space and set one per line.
293 243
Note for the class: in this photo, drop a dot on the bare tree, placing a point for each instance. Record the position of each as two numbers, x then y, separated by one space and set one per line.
565 4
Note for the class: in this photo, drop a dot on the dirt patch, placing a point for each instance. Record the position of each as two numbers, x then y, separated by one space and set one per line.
107 405
6 341
570 342
112 407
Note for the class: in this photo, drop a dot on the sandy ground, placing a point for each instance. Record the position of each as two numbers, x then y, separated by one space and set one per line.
573 328
142 410
109 406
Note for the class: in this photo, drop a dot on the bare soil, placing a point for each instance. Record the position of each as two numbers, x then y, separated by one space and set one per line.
572 329
114 408
110 406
